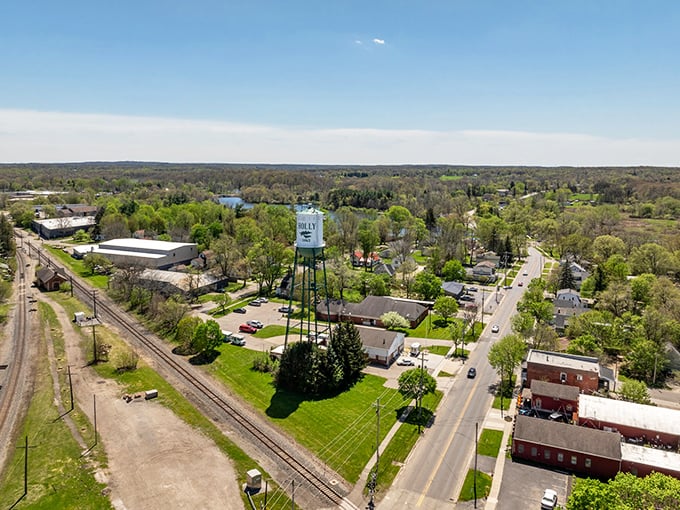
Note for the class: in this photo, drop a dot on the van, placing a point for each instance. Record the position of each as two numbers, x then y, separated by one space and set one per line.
239 340
226 336
415 349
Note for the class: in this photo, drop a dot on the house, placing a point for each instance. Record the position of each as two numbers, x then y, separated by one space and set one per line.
50 279
147 253
453 289
382 346
369 311
578 272
637 423
553 397
359 260
585 372
567 304
388 269
589 452
484 271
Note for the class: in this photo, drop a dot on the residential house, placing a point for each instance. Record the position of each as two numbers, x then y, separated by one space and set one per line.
359 260
382 346
453 289
567 304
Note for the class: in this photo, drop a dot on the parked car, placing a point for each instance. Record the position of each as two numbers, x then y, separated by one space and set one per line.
255 324
508 287
239 310
238 340
255 302
472 373
405 362
263 299
472 289
549 500
495 328
520 284
465 297
247 328
285 309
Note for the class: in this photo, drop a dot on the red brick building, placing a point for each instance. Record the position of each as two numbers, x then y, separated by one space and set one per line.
584 372
554 397
590 452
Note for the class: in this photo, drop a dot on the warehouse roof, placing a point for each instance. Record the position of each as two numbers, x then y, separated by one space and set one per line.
630 414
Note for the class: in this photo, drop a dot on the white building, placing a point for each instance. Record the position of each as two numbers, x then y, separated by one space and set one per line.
147 253
382 346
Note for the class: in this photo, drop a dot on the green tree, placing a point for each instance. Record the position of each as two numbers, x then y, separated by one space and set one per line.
652 258
605 246
415 383
646 361
269 260
428 285
392 320
349 352
585 345
185 331
635 391
506 355
565 278
302 369
453 270
368 238
446 306
207 337
95 261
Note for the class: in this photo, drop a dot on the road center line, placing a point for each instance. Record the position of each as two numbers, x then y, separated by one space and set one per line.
448 444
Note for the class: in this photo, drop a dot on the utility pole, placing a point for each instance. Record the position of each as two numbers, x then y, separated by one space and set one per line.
94 303
474 479
70 385
419 401
292 499
374 476
94 346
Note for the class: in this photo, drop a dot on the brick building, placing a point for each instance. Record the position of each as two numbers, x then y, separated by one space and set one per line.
584 372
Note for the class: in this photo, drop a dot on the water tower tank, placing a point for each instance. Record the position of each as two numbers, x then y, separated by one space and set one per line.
309 231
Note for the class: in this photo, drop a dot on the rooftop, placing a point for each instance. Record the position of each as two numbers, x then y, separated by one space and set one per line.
146 244
67 222
375 337
630 414
568 437
548 389
563 360
650 456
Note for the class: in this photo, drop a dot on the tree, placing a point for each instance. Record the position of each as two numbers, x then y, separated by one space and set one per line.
626 492
605 246
224 299
565 278
652 258
635 391
207 337
453 270
616 299
506 355
415 383
302 369
446 306
368 239
185 331
226 255
646 361
348 351
428 285
392 320
585 345
95 262
268 260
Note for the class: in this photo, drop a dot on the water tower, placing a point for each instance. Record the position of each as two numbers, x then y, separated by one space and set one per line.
308 282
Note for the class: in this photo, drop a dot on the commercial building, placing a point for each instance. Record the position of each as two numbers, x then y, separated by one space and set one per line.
55 228
147 253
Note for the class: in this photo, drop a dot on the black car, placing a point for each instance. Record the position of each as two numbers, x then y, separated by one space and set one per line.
472 373
239 310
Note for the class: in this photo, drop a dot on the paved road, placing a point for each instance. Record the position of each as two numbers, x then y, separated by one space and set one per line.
434 473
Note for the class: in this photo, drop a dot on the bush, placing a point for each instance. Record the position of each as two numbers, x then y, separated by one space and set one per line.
124 359
265 364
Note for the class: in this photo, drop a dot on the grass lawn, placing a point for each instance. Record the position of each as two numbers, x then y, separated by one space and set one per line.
489 442
394 455
442 350
58 477
78 267
144 378
340 430
483 486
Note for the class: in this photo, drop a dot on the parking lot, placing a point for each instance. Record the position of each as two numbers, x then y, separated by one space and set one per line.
523 486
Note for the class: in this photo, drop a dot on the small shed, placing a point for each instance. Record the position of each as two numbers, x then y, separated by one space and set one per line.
49 279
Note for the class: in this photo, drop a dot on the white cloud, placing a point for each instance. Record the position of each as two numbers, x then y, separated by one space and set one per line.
379 41
358 42
32 136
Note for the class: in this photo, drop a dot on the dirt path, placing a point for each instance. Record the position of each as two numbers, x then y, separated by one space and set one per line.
155 460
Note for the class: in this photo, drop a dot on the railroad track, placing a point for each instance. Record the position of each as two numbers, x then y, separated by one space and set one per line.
323 487
14 368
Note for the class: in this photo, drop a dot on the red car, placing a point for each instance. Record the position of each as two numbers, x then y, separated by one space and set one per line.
247 328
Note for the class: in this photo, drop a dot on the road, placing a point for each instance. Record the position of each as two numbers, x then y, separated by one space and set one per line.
435 471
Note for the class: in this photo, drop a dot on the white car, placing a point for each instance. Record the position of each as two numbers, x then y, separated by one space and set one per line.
549 500
495 328
405 362
255 324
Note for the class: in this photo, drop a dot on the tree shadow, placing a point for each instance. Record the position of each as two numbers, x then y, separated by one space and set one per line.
204 358
440 323
414 416
284 403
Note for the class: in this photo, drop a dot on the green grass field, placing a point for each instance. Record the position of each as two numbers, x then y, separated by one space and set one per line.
467 493
489 442
333 428
78 267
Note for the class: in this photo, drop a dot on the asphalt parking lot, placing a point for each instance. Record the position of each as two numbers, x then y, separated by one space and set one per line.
523 485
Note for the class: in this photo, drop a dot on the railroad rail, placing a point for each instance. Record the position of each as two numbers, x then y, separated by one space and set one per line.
307 475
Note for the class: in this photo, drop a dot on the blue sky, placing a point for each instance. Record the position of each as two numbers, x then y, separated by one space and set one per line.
341 81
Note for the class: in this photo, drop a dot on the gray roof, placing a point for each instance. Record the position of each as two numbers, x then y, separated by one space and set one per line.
373 307
45 274
375 337
548 389
453 288
573 438
563 360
